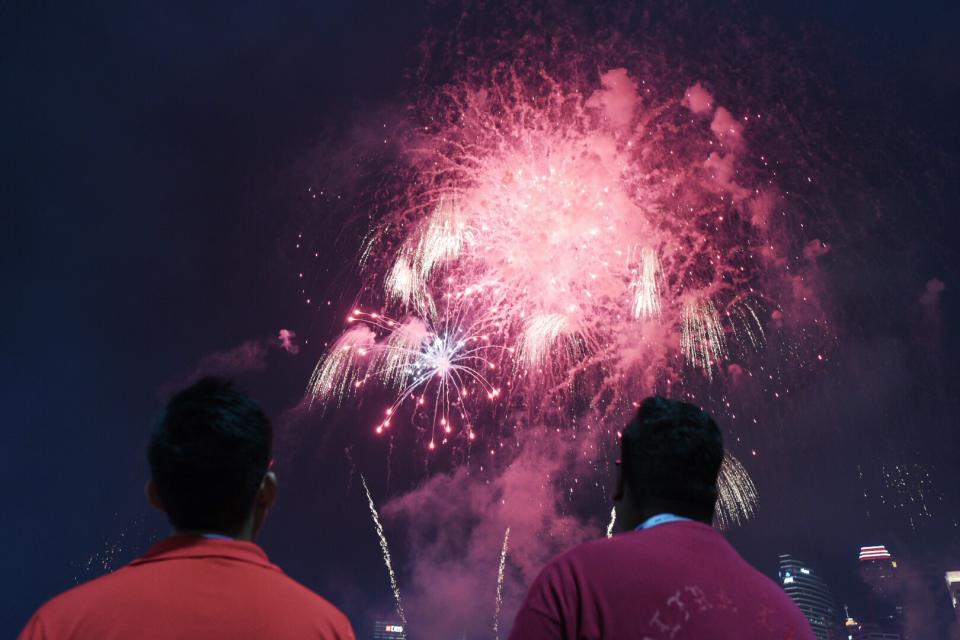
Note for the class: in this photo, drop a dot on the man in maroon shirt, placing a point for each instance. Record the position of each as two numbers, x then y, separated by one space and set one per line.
210 462
671 575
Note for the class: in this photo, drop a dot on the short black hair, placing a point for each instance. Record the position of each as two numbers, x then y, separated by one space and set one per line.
671 453
208 455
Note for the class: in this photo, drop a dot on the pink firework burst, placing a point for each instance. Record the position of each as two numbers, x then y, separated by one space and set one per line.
604 240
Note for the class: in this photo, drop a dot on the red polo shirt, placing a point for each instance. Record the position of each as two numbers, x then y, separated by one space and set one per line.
189 587
676 581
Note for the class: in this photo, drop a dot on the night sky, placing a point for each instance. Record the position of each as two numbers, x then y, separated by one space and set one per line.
155 180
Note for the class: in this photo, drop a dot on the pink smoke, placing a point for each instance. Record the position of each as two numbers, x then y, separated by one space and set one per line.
726 127
288 342
617 99
698 99
455 525
815 249
247 356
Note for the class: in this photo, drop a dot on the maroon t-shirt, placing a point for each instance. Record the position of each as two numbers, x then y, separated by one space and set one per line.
675 581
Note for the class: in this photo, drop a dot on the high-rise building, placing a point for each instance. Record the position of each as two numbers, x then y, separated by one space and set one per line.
879 571
811 595
389 631
953 586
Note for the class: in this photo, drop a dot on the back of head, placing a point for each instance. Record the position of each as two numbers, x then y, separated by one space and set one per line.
672 452
208 455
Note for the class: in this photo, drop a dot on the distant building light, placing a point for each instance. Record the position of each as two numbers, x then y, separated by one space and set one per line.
878 552
788 580
953 584
806 571
394 628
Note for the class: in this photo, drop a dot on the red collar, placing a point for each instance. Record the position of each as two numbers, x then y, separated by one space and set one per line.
186 546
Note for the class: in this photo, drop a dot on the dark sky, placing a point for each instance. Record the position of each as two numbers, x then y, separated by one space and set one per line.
152 156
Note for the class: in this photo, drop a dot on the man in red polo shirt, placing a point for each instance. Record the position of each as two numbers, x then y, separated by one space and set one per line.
209 457
671 576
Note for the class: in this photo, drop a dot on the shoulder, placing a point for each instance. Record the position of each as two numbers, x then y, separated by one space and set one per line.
73 603
572 566
82 595
602 550
284 591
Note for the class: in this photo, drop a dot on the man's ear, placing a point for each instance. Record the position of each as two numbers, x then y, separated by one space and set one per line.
153 495
268 491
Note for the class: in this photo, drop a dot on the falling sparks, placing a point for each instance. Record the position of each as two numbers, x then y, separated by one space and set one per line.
336 375
500 571
414 357
613 522
443 240
386 552
702 339
545 334
737 496
646 303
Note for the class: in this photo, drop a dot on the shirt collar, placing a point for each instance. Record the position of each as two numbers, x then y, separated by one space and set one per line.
191 546
660 518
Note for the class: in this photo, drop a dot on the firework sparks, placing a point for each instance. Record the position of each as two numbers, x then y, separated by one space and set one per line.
405 286
386 551
646 303
546 338
571 248
442 240
737 496
442 358
702 339
554 227
500 571
612 523
746 325
337 373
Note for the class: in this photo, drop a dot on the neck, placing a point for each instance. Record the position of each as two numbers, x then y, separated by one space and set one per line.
683 509
244 534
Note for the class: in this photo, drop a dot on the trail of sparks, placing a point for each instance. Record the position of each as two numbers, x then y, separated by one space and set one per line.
702 339
612 523
737 499
646 303
499 602
398 605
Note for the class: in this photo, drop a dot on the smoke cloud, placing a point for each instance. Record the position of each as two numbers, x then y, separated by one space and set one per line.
617 99
698 99
455 525
288 341
247 356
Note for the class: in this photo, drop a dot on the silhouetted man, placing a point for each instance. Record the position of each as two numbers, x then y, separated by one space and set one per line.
671 576
210 461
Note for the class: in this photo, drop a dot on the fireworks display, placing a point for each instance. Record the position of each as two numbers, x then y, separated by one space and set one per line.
558 249
545 246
